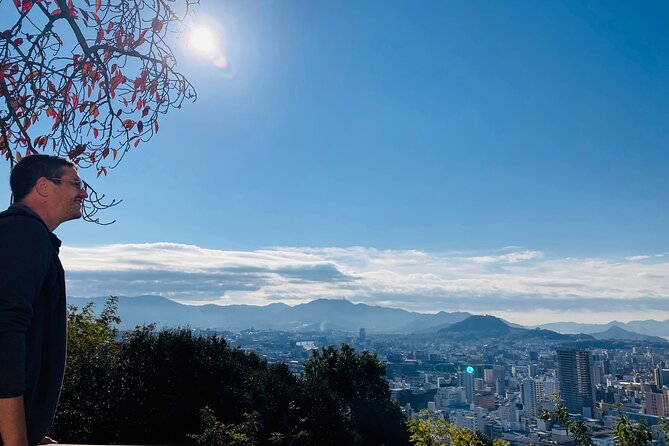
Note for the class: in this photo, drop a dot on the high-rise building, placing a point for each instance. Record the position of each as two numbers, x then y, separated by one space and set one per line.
500 387
466 381
361 336
577 388
657 403
551 386
488 376
528 392
661 377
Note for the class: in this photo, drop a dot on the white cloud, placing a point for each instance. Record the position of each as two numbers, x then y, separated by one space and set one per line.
526 282
636 258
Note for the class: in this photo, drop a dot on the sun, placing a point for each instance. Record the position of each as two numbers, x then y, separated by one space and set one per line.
203 40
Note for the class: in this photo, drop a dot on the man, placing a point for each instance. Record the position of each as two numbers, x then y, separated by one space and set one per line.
47 191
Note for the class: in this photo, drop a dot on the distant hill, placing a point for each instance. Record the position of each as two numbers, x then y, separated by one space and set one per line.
317 315
648 327
616 332
475 325
491 327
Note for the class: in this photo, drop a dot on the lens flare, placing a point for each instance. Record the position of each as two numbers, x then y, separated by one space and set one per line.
206 42
203 40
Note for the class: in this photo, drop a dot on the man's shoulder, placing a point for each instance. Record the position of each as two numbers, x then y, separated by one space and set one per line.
17 220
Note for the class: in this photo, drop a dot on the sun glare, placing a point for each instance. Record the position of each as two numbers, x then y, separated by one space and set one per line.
203 40
206 41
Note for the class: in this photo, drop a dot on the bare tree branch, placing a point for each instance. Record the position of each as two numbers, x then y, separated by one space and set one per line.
98 99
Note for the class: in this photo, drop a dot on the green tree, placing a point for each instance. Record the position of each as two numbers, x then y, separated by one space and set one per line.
150 387
576 428
631 434
348 400
215 433
89 392
169 375
431 430
663 426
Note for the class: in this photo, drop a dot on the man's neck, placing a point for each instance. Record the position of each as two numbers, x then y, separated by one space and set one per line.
34 210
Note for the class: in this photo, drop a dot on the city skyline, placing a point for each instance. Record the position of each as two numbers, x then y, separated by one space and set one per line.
503 159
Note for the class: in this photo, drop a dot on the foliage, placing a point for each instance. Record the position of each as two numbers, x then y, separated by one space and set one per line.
215 433
87 79
631 434
663 425
576 428
349 400
431 430
149 387
89 392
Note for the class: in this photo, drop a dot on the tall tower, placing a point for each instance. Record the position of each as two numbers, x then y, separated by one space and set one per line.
529 396
362 336
466 380
577 388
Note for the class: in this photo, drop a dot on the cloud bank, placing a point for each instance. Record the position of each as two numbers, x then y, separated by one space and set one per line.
522 285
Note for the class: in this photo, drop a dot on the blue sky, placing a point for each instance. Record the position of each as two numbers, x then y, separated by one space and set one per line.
457 130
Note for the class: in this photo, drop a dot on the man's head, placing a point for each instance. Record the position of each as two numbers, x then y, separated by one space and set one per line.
50 186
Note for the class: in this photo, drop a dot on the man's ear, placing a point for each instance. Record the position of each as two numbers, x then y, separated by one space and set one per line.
42 186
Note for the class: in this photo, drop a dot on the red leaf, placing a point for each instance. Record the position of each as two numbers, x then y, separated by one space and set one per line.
157 25
128 124
26 5
156 125
18 41
105 152
98 5
115 152
96 132
55 12
92 156
137 142
140 126
100 36
146 111
77 151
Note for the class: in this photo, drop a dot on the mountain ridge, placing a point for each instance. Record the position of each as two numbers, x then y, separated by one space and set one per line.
324 314
319 314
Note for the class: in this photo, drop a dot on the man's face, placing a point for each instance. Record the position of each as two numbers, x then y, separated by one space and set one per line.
69 197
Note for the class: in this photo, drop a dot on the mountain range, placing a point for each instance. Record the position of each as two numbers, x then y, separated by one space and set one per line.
649 327
317 315
342 315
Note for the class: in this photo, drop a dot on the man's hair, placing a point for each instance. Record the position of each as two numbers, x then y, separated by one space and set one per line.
25 174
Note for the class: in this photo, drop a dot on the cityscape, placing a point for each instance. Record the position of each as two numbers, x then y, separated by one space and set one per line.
331 223
479 378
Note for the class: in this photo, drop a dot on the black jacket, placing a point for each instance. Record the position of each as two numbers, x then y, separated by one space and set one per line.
32 317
